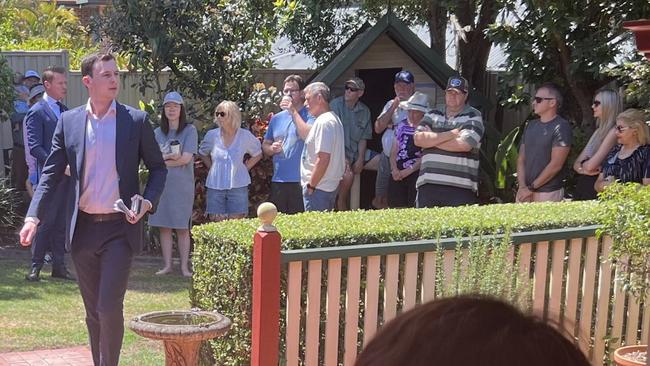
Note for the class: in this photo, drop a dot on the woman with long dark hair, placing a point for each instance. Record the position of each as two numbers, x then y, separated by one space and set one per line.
178 142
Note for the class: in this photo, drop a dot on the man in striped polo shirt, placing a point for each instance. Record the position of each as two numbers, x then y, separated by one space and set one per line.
450 138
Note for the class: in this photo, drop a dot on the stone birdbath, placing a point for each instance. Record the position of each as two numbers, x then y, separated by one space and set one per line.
182 332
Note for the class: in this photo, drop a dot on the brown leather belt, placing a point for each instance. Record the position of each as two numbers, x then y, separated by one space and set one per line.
114 216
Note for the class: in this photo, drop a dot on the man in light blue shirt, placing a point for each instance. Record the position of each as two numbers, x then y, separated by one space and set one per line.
282 141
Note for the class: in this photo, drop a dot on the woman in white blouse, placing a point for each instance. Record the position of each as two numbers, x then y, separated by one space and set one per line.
223 150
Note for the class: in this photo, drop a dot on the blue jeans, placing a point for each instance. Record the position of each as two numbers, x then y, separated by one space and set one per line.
319 200
232 201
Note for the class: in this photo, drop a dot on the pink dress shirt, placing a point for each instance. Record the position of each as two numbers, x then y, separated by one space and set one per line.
99 184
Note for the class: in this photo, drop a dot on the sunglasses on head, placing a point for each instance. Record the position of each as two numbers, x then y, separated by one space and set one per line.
621 129
596 103
219 114
351 89
541 99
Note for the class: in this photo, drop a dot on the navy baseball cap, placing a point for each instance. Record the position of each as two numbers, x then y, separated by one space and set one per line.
458 83
404 76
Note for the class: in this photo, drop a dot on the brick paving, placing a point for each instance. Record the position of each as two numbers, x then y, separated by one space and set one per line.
75 356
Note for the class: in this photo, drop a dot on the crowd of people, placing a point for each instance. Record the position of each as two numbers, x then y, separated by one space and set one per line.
429 155
82 164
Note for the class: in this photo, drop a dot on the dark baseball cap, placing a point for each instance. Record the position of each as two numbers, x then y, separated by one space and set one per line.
457 82
404 76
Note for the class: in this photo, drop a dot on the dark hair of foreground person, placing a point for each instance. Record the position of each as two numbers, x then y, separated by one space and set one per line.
469 331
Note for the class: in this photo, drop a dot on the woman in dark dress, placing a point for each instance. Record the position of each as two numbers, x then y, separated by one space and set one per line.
606 106
629 160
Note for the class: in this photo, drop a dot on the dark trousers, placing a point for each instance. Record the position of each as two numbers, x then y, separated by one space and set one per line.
102 258
51 232
287 197
402 193
585 187
438 195
50 236
19 171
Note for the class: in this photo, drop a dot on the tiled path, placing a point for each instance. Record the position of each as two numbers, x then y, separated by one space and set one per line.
76 356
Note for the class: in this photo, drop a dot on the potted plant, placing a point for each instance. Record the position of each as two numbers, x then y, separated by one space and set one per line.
625 216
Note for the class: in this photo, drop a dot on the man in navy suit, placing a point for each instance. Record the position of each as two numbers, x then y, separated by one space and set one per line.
40 124
103 142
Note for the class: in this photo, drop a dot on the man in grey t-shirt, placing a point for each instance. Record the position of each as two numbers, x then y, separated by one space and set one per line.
544 149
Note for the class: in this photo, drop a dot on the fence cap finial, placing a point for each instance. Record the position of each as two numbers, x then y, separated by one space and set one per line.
267 212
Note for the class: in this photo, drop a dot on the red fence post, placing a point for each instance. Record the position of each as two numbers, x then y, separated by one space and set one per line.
266 290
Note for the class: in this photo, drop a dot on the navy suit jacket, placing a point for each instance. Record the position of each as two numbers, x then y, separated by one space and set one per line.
134 142
40 123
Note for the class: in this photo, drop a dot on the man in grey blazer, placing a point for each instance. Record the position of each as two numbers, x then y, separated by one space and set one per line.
103 142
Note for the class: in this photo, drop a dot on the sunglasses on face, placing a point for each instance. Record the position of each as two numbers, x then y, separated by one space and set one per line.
621 129
541 99
351 89
219 114
596 103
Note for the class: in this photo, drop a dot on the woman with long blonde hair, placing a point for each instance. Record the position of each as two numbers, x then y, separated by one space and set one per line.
606 106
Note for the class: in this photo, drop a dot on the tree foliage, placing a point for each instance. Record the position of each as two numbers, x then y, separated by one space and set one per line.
569 43
319 27
210 46
635 75
43 25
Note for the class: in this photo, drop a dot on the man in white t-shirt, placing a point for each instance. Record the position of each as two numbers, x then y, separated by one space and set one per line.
323 158
390 116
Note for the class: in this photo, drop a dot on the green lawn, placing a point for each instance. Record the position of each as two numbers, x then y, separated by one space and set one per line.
50 313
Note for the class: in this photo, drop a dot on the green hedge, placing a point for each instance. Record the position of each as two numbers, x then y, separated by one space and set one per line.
223 262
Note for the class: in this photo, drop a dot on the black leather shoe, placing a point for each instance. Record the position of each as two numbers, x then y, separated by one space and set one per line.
63 274
34 275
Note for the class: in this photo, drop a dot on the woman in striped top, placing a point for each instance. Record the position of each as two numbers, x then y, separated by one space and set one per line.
629 161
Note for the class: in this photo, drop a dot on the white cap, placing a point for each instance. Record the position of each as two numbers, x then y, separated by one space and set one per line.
31 74
174 97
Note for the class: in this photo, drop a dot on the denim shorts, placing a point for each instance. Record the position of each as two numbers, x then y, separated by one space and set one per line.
232 201
319 200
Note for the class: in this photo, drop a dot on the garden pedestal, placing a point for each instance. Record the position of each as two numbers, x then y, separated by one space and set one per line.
181 331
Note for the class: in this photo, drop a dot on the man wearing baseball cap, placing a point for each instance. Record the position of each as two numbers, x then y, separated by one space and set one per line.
355 117
31 78
450 138
390 116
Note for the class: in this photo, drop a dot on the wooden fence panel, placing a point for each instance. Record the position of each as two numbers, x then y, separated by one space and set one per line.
573 286
333 310
294 309
372 298
352 311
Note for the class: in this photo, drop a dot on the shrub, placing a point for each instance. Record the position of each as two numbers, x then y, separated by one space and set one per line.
625 215
9 204
223 262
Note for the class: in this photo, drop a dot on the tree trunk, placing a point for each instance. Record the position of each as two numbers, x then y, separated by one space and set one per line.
475 52
437 21
582 112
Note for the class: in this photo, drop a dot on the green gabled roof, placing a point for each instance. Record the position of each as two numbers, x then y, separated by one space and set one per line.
429 60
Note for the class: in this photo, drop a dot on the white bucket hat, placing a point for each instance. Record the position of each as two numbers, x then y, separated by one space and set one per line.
417 102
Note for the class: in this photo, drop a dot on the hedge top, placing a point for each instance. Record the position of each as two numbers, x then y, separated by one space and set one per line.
323 229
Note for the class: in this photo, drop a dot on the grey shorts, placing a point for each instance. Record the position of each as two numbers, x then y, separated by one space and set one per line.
383 176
